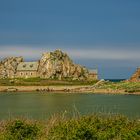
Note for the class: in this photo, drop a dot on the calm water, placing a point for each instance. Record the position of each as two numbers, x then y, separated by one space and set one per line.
41 106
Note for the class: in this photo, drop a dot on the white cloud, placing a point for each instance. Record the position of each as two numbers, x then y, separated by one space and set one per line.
25 51
112 54
29 52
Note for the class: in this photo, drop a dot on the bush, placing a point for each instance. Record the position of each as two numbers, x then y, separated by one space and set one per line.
21 130
95 128
90 127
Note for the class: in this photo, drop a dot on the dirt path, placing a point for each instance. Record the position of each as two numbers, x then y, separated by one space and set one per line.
74 89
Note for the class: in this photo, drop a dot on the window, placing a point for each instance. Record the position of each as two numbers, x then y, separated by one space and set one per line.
31 65
31 73
21 73
26 73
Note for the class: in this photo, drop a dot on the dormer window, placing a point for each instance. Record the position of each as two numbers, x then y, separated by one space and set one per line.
31 65
24 65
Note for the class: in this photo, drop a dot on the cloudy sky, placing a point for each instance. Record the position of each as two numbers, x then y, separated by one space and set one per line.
103 34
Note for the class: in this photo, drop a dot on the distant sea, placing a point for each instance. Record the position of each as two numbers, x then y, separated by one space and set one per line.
115 80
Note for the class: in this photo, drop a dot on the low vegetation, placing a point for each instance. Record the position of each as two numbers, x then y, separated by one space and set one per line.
123 85
20 130
42 82
91 127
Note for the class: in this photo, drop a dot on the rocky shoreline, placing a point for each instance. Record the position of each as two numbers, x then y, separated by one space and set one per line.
62 89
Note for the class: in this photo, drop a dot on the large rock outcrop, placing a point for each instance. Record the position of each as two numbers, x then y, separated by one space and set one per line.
136 76
58 65
52 65
8 66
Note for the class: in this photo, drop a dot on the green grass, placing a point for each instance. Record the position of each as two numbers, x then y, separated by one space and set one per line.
90 127
127 86
42 82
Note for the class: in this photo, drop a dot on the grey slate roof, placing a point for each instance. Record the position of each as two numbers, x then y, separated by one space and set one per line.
93 71
25 66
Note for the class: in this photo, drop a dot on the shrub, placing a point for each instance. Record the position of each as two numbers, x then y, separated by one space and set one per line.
95 128
90 127
21 130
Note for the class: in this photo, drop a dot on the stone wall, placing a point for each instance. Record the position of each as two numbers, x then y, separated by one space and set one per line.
92 76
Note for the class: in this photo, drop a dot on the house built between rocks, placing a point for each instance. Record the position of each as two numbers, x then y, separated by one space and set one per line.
27 70
30 70
52 65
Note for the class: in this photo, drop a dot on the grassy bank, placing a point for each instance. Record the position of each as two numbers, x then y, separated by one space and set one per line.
130 87
37 84
92 127
42 82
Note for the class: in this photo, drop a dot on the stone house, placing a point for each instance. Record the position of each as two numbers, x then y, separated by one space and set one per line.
27 70
136 76
93 74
